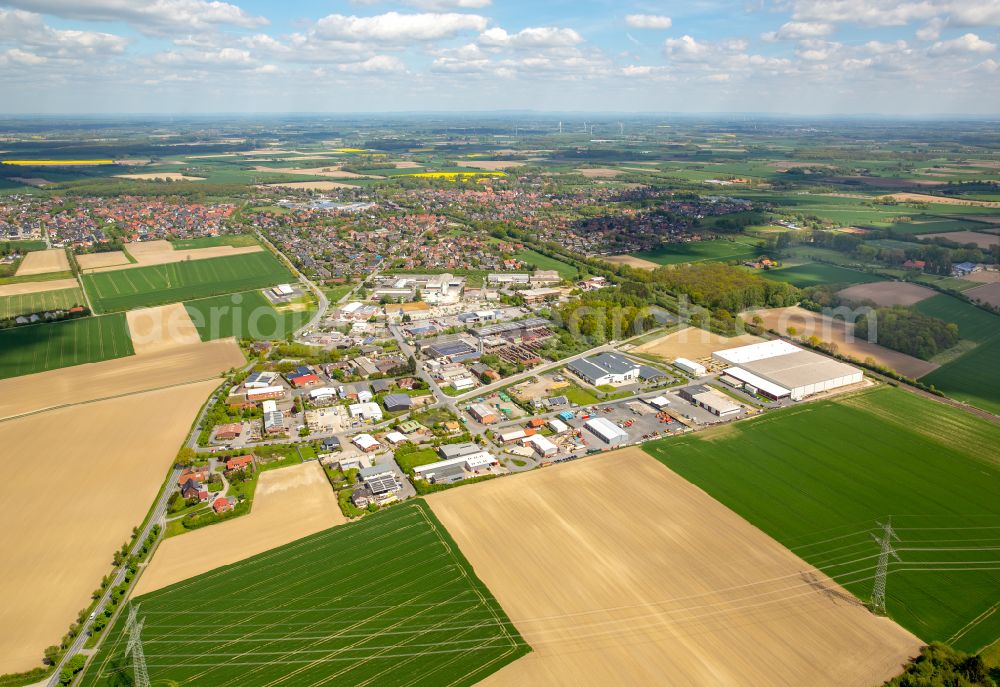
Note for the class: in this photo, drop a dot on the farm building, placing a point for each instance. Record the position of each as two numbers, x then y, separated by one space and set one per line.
397 402
711 400
606 368
778 369
239 463
366 442
483 413
265 393
366 411
608 432
691 367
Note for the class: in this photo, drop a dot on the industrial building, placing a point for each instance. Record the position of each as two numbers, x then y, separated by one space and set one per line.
454 469
777 369
483 413
396 402
608 432
711 400
366 411
691 367
606 368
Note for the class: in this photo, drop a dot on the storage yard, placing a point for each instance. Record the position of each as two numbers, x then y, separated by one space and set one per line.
695 592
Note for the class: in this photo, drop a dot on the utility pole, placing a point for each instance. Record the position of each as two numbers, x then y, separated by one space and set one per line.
882 569
134 629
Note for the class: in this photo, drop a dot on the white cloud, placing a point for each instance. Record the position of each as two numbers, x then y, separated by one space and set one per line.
648 21
540 37
437 5
379 64
396 28
29 30
687 49
969 43
222 59
18 56
932 31
798 30
151 16
894 13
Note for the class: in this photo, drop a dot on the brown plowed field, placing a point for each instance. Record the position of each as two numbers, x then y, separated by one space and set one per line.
619 572
161 328
108 378
693 343
43 262
631 261
887 293
987 293
980 239
76 481
289 504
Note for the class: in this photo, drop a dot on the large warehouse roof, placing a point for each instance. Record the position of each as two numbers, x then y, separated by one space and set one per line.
764 385
799 369
754 352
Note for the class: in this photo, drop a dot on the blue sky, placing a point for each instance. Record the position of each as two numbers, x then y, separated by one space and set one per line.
908 57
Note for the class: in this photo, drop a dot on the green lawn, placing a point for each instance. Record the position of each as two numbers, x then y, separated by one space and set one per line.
138 287
974 377
40 347
388 600
544 262
27 303
817 477
237 240
247 315
414 459
815 273
579 395
701 251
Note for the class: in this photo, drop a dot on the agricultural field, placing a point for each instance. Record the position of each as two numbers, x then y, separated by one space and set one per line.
234 240
544 262
244 315
55 556
887 293
182 281
832 469
38 347
973 377
43 262
26 303
388 600
934 225
816 273
694 592
701 251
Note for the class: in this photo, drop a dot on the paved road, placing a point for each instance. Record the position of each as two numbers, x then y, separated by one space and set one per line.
324 302
159 511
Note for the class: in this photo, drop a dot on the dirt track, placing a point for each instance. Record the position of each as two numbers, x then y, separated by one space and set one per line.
37 287
290 503
108 378
76 481
619 572
808 323
161 329
43 262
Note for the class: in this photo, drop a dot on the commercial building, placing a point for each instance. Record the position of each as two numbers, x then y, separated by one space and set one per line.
265 393
778 369
454 469
259 380
542 446
606 368
483 413
397 402
691 367
274 422
366 411
557 426
608 432
539 295
366 442
711 400
449 451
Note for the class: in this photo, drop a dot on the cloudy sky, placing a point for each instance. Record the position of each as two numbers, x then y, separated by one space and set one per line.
910 57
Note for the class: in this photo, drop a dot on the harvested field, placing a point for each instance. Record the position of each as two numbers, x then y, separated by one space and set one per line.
54 556
887 293
289 503
492 165
631 261
90 261
407 164
312 185
693 343
162 328
123 376
984 277
987 293
981 240
696 593
43 262
25 287
331 172
161 252
942 200
808 323
599 172
163 176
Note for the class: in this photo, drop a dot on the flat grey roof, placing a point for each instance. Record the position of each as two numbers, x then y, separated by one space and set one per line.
799 369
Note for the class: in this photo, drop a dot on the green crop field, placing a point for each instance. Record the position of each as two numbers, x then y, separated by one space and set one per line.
243 315
388 600
138 287
818 477
701 251
237 240
544 262
973 377
935 225
27 303
40 347
815 273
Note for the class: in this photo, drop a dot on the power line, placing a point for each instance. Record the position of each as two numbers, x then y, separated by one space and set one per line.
134 647
878 593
